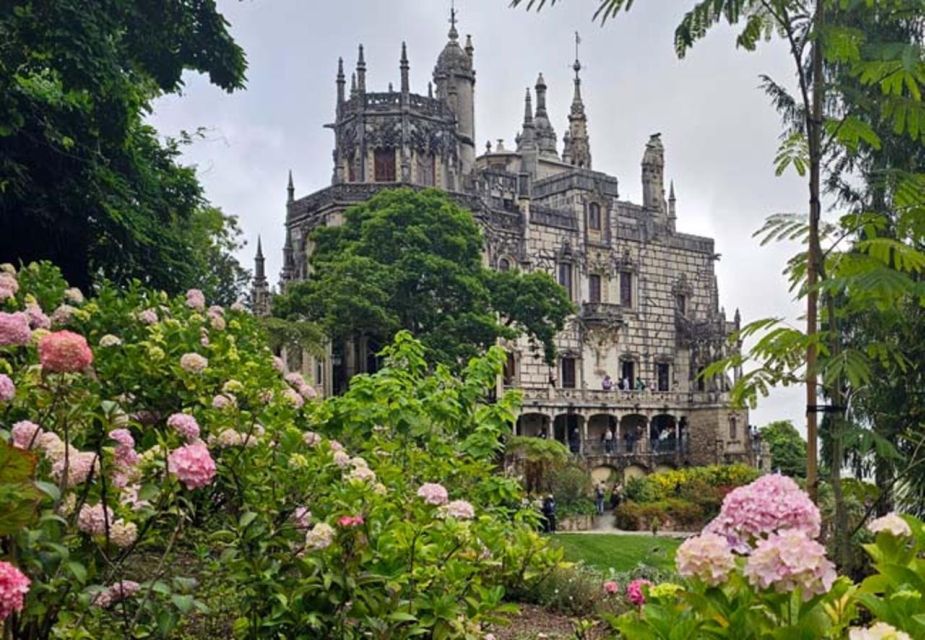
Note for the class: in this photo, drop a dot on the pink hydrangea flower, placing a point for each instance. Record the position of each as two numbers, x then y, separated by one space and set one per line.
123 534
64 352
185 425
123 437
148 316
787 560
238 307
892 524
224 401
7 388
217 322
37 317
14 329
195 299
192 465
92 519
80 465
308 392
611 588
769 504
877 631
293 397
350 521
116 593
335 445
14 585
110 340
459 509
302 517
9 285
433 493
74 295
278 364
63 314
706 557
311 438
320 536
361 474
634 592
25 434
295 379
193 363
341 459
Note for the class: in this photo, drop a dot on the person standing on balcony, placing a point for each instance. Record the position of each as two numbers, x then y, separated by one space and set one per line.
640 384
608 440
607 382
625 384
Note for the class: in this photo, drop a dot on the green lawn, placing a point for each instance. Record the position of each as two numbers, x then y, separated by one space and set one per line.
619 552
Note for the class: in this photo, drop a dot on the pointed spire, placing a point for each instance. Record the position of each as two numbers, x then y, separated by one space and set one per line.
405 82
469 48
579 143
527 138
540 96
528 109
454 34
340 82
290 189
353 84
430 90
361 71
259 249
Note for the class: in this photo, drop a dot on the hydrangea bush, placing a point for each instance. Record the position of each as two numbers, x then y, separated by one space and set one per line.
759 571
161 474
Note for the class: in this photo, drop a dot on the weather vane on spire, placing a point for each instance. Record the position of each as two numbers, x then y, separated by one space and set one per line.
577 65
453 32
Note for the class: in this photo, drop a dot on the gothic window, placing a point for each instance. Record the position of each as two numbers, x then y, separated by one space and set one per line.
594 216
626 288
510 370
594 288
565 278
504 264
384 165
568 373
662 373
425 169
351 170
628 373
681 301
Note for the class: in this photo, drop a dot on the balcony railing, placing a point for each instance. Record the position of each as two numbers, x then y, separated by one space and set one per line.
641 399
629 447
604 313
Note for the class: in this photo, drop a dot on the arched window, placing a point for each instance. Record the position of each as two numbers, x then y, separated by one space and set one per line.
384 165
594 216
504 264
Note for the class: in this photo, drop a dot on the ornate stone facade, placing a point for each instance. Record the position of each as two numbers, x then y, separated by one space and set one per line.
648 309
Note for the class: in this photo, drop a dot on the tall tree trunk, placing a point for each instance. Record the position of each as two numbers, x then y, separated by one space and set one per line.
814 132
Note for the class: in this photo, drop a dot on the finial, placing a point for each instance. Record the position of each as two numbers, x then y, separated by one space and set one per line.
361 61
488 147
469 47
290 189
390 87
671 191
404 53
540 82
454 34
430 89
259 249
577 65
340 69
353 83
528 108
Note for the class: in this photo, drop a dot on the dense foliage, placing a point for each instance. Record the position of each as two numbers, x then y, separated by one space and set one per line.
85 181
788 448
160 476
412 260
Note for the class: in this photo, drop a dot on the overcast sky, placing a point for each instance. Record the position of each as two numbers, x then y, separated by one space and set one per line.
719 131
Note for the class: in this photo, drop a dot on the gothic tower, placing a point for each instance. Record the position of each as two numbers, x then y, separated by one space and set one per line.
653 177
261 291
545 134
454 78
577 145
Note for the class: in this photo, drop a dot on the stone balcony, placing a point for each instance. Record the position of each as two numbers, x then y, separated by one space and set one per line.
615 399
601 313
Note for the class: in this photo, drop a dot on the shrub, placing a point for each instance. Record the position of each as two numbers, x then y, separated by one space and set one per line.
298 518
674 513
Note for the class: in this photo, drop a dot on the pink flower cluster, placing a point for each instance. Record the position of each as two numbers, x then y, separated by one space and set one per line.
301 386
93 519
320 536
8 286
14 329
433 493
892 524
302 517
294 398
192 465
193 363
634 592
878 631
459 509
116 593
311 438
14 586
63 314
7 388
348 522
787 560
37 317
125 459
611 588
706 557
64 352
185 425
25 434
195 299
80 465
148 316
224 401
769 504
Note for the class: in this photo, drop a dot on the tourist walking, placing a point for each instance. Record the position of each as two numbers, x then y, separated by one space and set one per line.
599 498
549 514
616 495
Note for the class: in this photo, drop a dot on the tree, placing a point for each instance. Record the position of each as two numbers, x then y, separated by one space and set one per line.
213 238
412 260
84 181
788 448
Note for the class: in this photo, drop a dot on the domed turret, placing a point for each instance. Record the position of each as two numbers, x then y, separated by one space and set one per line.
454 78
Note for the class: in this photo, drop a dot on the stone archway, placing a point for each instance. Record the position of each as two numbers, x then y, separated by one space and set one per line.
634 431
598 425
533 425
567 429
633 471
663 433
604 474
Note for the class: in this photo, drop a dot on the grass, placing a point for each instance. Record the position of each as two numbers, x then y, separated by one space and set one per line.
616 551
